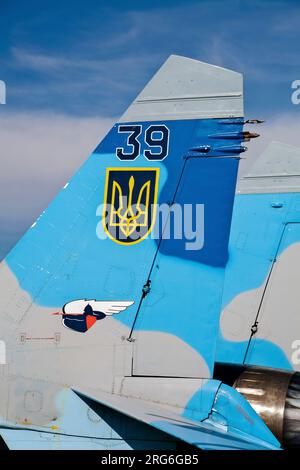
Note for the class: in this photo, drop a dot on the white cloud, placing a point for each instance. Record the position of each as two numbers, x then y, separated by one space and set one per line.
77 84
39 153
39 62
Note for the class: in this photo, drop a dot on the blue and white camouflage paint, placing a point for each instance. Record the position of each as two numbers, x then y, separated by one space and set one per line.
261 285
142 378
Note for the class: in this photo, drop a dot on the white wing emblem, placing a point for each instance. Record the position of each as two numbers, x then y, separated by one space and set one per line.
81 315
108 307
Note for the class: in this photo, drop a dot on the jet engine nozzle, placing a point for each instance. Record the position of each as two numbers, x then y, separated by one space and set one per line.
273 393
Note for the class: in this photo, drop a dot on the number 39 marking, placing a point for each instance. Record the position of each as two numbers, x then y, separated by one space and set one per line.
156 138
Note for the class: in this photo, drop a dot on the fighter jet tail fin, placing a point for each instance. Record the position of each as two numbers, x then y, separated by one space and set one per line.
260 320
130 255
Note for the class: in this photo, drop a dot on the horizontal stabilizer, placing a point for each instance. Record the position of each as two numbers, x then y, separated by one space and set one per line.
206 435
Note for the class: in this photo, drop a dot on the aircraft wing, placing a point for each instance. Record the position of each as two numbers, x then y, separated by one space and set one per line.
212 433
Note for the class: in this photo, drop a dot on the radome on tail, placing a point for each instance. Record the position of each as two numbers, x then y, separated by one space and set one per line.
143 378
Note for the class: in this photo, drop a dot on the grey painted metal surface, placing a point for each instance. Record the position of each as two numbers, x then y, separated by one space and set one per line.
277 170
188 89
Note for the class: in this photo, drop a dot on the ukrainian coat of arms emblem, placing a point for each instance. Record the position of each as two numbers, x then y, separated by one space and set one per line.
130 198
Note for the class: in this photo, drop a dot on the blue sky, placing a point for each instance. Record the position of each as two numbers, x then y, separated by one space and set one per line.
92 57
71 68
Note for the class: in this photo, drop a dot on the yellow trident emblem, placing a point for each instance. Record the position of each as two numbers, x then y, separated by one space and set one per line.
134 215
129 203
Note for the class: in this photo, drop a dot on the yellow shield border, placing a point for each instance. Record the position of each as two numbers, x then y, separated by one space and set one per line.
128 169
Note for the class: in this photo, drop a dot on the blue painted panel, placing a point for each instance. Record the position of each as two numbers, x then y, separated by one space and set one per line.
61 258
190 305
257 227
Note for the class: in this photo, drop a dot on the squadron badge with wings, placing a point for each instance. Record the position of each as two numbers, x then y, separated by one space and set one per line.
81 315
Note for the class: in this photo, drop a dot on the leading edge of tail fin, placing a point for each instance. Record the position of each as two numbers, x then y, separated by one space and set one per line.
123 273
